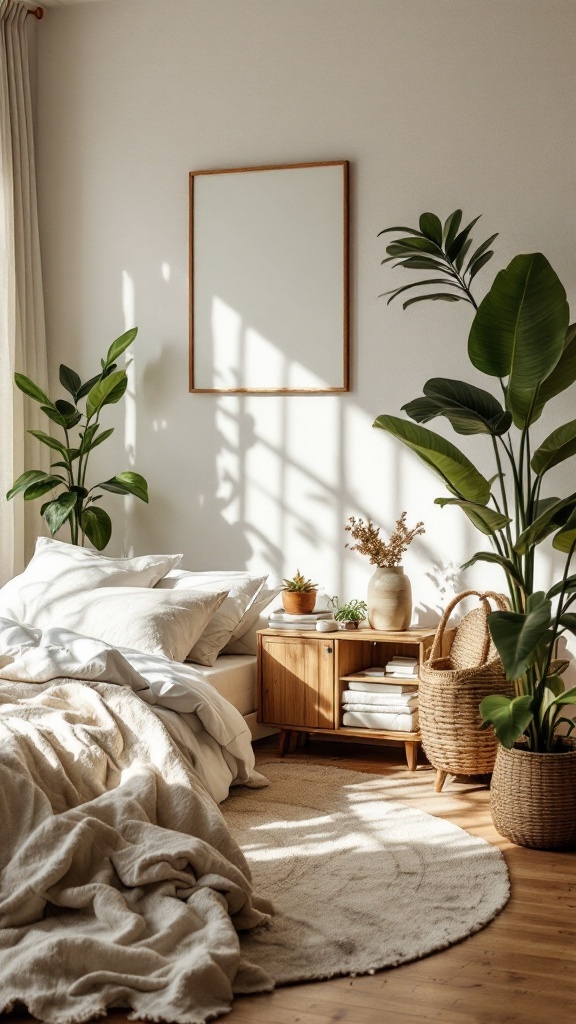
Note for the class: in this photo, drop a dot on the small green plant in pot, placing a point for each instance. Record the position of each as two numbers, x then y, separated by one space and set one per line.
75 503
350 615
520 336
299 594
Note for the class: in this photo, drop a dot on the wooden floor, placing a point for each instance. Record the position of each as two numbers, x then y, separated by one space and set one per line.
521 969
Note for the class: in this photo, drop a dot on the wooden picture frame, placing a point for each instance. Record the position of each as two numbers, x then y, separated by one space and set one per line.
269 279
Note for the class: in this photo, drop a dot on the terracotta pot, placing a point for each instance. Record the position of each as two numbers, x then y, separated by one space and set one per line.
298 602
389 599
533 797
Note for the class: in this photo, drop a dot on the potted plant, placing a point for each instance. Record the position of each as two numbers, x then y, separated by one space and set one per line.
349 616
76 502
389 592
521 335
299 595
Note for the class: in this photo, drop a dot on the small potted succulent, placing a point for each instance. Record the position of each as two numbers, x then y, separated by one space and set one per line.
299 595
349 616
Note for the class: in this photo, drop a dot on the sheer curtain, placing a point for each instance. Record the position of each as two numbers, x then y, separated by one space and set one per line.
22 333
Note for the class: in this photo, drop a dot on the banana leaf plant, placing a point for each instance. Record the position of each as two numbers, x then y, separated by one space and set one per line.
521 337
76 502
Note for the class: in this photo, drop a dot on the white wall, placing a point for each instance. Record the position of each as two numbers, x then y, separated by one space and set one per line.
436 103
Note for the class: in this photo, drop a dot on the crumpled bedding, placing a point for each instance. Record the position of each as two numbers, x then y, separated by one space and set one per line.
120 885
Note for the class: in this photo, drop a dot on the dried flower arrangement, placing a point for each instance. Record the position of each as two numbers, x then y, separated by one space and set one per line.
369 542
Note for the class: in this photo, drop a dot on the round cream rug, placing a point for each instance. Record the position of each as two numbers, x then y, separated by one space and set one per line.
359 881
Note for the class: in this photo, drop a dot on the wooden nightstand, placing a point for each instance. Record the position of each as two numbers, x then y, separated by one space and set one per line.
301 678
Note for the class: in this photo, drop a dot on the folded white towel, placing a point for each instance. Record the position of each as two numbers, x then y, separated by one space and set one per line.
381 709
408 685
398 699
395 723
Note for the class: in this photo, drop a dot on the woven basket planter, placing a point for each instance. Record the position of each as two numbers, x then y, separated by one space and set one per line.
451 689
533 797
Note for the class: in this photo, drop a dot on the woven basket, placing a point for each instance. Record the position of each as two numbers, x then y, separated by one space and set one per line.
452 687
533 797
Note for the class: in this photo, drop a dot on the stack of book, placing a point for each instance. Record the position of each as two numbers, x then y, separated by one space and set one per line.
279 619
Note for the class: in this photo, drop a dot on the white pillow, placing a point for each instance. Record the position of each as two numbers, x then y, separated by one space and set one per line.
243 639
152 621
242 589
57 570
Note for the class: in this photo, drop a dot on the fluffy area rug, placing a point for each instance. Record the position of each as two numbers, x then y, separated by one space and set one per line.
359 881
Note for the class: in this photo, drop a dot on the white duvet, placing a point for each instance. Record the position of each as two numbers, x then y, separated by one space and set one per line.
120 885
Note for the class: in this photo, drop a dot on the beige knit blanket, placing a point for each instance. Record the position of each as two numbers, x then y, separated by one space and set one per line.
120 885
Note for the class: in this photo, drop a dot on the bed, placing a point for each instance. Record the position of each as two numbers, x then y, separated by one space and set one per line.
120 884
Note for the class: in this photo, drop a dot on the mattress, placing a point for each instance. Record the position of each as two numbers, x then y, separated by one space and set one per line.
234 676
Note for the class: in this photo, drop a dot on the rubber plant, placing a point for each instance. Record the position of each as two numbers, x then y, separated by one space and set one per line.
521 338
76 502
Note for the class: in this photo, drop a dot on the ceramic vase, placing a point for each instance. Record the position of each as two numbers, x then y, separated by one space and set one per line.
389 599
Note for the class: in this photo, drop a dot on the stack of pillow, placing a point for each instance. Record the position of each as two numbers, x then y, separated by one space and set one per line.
145 602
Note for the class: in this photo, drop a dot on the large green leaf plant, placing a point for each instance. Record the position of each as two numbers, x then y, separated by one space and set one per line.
76 502
522 337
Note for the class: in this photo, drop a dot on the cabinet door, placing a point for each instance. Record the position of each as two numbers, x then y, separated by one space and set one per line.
297 682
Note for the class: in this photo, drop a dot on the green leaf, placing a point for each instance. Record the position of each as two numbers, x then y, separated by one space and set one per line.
568 621
36 490
475 266
509 717
58 511
106 392
31 476
413 245
70 380
423 263
551 519
101 437
87 387
442 456
97 526
569 586
562 377
451 227
484 519
31 389
434 297
520 328
65 408
431 226
558 446
409 231
418 284
565 539
469 409
118 347
127 483
51 442
491 556
53 414
459 261
481 251
455 248
517 636
567 697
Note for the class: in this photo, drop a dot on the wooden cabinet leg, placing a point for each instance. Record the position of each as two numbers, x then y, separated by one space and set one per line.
283 741
411 750
440 780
